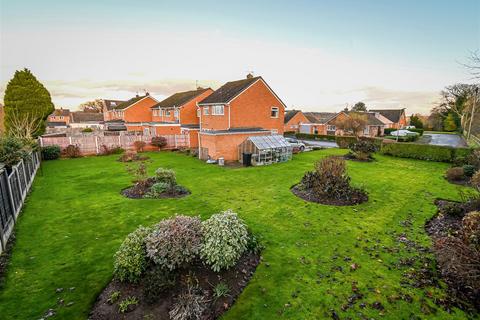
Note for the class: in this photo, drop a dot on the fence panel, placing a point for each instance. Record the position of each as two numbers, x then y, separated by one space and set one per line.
14 186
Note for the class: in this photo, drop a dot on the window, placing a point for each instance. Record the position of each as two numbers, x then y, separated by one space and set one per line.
218 110
175 114
331 128
274 112
206 110
366 131
199 112
167 113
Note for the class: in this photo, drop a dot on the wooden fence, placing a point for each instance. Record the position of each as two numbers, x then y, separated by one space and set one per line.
93 144
14 187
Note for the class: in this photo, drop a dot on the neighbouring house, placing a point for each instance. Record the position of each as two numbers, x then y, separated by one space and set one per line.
108 105
134 114
373 128
397 117
293 120
317 123
60 118
84 120
178 114
236 111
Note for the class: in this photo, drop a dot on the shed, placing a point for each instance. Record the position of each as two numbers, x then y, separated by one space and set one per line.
263 150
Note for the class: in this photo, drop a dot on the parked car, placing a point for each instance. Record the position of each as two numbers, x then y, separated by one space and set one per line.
297 145
408 127
403 133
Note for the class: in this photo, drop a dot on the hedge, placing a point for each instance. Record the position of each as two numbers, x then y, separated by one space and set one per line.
388 131
344 141
409 138
314 136
424 151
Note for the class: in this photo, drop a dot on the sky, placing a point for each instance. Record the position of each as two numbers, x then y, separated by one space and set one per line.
316 55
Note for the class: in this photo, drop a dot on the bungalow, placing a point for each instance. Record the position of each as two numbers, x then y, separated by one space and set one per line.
397 118
293 120
178 114
317 123
83 120
60 118
373 128
236 111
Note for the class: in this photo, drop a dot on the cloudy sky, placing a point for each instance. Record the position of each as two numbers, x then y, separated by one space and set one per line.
317 55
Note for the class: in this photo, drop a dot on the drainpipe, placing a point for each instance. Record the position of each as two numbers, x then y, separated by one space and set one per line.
200 129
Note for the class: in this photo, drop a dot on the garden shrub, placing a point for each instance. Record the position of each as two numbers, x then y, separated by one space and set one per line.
469 170
225 240
452 209
455 174
471 229
254 244
106 150
363 149
51 152
344 142
166 176
86 130
159 142
156 281
130 259
424 151
189 305
220 290
71 151
175 242
314 136
139 145
331 179
409 138
12 150
157 189
475 180
128 304
129 156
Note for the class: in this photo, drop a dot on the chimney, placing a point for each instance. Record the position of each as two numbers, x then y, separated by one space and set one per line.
249 75
199 88
147 93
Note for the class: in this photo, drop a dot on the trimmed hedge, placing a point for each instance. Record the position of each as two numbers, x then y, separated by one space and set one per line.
387 131
409 138
51 152
314 136
424 151
344 141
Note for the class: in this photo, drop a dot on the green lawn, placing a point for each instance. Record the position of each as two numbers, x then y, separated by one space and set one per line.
75 219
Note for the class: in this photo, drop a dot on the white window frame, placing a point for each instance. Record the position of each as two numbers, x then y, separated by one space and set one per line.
366 131
276 110
331 127
218 110
176 114
206 111
167 113
199 112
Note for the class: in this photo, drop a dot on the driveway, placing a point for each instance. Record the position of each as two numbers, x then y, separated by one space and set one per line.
320 143
443 139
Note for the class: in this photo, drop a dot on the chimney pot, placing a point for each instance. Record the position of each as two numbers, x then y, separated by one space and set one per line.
249 76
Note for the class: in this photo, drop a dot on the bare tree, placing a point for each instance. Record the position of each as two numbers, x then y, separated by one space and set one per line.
92 106
473 64
457 99
353 122
23 126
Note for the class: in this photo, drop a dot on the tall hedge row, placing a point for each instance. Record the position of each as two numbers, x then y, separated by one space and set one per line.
424 151
315 136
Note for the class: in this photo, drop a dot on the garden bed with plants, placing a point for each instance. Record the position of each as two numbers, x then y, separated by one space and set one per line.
329 184
162 185
455 232
181 268
465 171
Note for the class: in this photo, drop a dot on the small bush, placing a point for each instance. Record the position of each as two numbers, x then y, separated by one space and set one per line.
472 159
175 241
220 290
72 151
139 145
12 150
225 240
86 130
159 142
158 189
469 170
127 304
106 150
156 281
130 261
166 176
475 180
455 174
114 296
51 152
331 179
189 305
471 229
452 209
363 149
129 156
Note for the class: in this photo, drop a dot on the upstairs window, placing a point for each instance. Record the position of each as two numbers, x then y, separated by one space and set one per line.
218 110
206 110
274 112
175 114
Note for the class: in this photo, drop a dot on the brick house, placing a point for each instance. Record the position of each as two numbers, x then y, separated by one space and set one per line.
82 119
373 128
60 118
178 114
134 114
317 123
108 105
293 120
237 110
397 118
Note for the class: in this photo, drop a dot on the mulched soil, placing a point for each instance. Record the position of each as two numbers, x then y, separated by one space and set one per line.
139 190
464 182
5 258
236 279
358 196
441 226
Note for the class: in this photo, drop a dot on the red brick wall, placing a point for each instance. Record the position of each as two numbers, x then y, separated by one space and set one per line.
215 122
294 123
167 129
140 111
65 119
188 112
